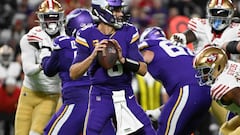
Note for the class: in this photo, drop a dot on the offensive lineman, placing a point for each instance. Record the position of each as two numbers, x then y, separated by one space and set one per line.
172 65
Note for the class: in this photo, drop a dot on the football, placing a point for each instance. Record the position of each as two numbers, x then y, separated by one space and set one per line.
110 58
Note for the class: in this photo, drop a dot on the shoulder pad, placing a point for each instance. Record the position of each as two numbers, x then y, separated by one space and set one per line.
83 29
133 32
87 26
61 42
83 35
36 34
128 26
143 45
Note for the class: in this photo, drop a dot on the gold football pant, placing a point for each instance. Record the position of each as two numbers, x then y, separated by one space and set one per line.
220 113
231 127
34 110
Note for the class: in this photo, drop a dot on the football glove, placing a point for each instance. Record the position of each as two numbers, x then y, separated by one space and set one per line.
154 114
44 52
179 39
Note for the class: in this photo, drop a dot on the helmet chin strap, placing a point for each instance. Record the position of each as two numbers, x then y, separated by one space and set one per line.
52 28
53 35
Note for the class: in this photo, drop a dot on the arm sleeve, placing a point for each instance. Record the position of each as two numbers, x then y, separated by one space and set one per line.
82 53
50 64
133 47
135 53
30 62
83 48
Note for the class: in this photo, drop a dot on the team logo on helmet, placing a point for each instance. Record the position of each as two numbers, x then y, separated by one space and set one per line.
212 58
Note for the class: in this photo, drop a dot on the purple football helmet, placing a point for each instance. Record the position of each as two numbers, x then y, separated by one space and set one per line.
152 33
103 9
77 19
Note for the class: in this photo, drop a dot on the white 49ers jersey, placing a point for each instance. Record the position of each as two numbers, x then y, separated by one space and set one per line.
229 79
34 77
203 31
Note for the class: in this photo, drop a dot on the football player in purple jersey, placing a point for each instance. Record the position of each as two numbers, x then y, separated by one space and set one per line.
75 93
172 65
111 92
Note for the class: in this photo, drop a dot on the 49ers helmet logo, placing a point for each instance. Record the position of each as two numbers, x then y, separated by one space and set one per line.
212 58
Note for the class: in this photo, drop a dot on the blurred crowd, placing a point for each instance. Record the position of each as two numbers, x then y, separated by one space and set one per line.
17 17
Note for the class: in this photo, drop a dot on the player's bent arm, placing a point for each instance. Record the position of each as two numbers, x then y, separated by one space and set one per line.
29 62
78 69
233 96
232 47
50 66
129 64
190 36
142 68
184 38
147 56
134 66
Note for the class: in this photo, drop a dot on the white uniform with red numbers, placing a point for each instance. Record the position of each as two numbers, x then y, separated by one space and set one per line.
39 93
229 79
34 78
203 31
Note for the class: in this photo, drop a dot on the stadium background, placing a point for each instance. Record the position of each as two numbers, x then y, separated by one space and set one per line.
18 16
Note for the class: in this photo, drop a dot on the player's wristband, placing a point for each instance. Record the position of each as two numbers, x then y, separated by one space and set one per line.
131 65
47 47
232 47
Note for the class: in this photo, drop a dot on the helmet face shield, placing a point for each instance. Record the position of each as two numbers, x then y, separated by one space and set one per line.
220 13
219 18
109 12
219 23
50 17
205 75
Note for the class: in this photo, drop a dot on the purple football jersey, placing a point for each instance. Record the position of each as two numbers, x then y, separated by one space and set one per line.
115 77
75 93
188 102
104 82
172 65
60 62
